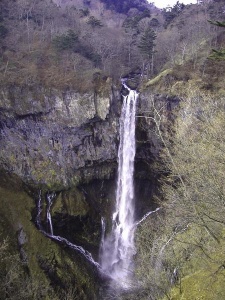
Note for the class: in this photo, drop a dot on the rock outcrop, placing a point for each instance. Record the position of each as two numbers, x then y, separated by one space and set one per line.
54 139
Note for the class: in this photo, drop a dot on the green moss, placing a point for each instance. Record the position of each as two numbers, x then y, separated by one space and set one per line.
156 79
47 261
202 285
72 202
203 271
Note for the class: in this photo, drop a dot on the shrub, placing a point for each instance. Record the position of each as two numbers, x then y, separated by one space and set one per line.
66 41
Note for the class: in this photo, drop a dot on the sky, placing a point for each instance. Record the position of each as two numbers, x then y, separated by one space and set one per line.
165 3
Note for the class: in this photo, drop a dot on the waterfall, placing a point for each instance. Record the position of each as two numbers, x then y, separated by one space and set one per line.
50 196
118 248
103 233
49 199
146 215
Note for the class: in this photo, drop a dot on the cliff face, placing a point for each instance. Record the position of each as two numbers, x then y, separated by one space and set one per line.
55 141
52 138
67 142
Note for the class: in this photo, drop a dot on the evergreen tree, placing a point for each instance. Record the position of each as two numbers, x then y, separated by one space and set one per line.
3 31
146 47
217 54
66 41
147 43
170 13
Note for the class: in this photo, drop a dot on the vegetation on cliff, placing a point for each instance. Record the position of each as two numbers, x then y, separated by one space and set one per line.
183 243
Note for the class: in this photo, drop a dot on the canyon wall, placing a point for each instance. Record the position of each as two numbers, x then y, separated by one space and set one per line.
67 142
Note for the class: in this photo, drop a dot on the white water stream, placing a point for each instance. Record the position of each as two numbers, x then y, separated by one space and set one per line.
118 247
49 201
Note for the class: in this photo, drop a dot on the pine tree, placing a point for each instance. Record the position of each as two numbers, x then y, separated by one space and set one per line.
147 43
217 54
146 47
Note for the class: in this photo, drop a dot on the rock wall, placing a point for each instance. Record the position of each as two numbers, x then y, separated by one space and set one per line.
54 139
67 142
54 270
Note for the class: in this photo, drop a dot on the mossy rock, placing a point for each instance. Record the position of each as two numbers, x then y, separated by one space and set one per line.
204 275
46 261
202 285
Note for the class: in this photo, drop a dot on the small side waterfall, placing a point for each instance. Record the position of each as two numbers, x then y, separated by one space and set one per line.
118 248
50 197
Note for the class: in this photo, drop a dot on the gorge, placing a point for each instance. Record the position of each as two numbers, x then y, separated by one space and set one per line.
69 212
111 150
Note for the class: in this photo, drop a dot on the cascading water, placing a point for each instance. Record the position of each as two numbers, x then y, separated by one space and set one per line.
49 201
118 247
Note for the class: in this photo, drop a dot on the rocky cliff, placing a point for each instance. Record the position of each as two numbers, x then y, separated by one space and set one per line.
54 141
51 138
66 142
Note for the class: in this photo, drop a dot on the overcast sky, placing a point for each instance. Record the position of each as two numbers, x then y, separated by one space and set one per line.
165 3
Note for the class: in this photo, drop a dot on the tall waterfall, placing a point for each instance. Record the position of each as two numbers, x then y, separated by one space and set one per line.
118 248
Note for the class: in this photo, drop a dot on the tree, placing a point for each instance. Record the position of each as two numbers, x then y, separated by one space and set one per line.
123 6
66 41
171 12
217 54
3 31
186 240
147 43
146 47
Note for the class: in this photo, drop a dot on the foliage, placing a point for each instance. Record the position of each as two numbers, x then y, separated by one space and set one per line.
94 22
3 31
172 12
154 23
15 281
66 41
123 6
84 12
146 44
217 23
217 54
53 46
70 41
186 240
132 22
